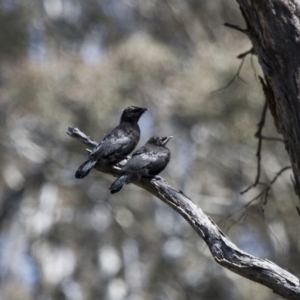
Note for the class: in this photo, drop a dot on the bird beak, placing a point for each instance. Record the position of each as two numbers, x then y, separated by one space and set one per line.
165 140
141 110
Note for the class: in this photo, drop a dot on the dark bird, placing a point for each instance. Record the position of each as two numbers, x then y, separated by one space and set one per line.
117 144
148 161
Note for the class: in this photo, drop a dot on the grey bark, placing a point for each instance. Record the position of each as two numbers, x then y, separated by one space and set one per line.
222 249
274 29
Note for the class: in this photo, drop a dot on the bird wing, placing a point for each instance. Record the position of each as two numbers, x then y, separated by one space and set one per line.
141 159
111 143
115 143
136 163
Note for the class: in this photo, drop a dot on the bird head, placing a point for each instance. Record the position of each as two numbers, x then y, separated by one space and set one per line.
159 141
164 140
132 114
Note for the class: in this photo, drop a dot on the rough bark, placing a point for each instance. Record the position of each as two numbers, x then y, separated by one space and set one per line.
222 249
274 29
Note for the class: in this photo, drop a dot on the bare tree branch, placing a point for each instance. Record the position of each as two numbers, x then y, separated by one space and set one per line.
237 75
235 27
272 139
264 194
241 56
244 54
77 134
222 249
258 152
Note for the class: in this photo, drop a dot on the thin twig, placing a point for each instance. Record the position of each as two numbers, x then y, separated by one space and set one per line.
279 173
237 75
241 56
265 193
258 134
272 139
263 196
244 54
77 134
236 27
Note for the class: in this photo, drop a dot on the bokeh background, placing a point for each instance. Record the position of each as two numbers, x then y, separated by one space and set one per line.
80 63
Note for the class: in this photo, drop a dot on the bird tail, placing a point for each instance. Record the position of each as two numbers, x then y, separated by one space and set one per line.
85 168
118 183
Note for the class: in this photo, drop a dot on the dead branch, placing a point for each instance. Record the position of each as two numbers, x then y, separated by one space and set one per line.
222 249
262 196
235 27
241 56
236 76
272 139
244 54
258 134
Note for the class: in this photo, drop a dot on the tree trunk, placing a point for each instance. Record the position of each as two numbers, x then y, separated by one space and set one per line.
274 30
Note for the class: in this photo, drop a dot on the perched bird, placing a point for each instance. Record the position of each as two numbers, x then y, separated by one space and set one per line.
117 144
148 161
